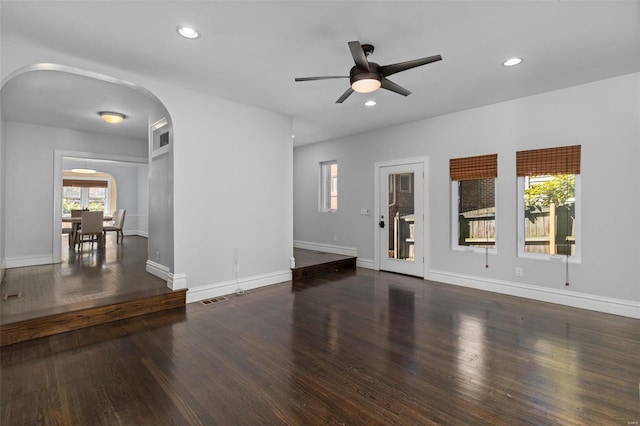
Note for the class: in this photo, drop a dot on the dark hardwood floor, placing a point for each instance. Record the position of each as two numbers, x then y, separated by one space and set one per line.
310 263
86 288
90 278
364 347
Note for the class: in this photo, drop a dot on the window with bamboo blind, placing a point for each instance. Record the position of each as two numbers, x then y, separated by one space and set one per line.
473 204
548 201
86 193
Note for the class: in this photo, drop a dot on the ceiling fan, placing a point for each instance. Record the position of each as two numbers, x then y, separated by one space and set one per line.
368 76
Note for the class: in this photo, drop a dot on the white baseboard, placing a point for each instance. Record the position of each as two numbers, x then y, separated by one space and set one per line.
19 262
177 281
158 270
199 293
365 263
625 308
135 232
326 248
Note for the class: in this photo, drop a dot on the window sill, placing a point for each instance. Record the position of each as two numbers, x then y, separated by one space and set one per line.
550 257
478 250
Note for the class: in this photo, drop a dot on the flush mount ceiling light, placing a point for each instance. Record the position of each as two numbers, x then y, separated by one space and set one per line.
512 62
370 103
112 117
188 32
83 171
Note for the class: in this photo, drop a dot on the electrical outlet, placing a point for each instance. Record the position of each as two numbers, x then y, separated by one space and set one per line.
519 272
335 237
157 255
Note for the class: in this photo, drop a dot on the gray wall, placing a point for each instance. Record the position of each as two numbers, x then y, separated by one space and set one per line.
29 180
601 116
216 141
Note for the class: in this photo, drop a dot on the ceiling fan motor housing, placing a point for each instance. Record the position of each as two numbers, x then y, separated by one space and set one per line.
359 74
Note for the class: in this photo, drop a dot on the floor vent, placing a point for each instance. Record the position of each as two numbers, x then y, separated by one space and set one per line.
214 300
8 296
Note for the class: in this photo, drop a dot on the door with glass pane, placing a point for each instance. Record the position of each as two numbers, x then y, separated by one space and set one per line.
401 220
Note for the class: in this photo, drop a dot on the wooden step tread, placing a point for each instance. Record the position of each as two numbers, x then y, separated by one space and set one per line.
61 322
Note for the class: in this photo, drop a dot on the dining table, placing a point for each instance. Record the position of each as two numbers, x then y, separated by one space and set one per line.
75 222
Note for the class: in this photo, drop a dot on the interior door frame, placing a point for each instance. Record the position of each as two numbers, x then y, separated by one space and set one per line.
425 207
58 158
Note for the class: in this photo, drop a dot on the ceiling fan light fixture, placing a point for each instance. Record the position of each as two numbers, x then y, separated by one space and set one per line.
112 117
365 83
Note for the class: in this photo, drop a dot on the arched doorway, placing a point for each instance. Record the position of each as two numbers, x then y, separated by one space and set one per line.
50 112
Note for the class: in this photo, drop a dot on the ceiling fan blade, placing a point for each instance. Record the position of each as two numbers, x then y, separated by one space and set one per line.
358 55
328 77
387 70
344 96
390 85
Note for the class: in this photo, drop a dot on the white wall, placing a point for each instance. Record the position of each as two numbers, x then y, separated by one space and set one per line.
3 225
601 116
29 181
232 179
142 206
232 185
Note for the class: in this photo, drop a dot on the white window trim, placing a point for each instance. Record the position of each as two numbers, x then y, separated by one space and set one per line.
321 205
455 223
541 256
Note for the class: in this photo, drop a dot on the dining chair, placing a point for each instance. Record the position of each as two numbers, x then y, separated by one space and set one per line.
117 226
91 226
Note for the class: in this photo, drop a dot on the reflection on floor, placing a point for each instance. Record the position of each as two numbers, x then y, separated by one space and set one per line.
363 348
311 263
82 282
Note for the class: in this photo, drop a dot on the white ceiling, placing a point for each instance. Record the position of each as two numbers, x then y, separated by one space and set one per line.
251 52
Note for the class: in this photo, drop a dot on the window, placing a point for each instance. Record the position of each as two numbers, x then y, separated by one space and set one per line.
473 202
92 194
328 186
548 202
405 182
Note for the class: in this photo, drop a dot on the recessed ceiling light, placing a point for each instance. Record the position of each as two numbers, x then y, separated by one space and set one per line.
188 32
370 103
112 117
511 62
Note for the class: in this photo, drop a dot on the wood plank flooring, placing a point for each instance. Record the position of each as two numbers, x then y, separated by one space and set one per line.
310 263
363 348
85 289
91 278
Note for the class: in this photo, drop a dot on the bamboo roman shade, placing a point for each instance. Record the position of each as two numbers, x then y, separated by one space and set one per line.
84 183
471 168
564 160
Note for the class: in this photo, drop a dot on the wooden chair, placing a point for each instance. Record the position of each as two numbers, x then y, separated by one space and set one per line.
117 226
91 226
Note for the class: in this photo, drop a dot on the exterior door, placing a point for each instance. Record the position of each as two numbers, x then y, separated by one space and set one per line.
401 221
